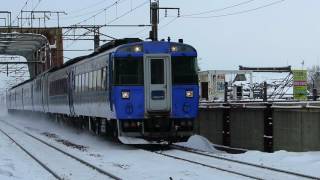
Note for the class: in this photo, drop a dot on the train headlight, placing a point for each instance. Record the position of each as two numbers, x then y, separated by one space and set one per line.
131 49
125 94
189 94
174 48
137 48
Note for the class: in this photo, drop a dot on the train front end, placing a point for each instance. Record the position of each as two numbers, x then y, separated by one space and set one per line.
155 90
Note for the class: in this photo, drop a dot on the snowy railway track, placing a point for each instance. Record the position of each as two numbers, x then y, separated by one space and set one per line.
241 168
208 166
32 156
62 165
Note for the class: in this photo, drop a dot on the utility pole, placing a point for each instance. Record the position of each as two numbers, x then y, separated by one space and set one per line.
154 18
154 13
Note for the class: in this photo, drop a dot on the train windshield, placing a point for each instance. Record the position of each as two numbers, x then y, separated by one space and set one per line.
128 71
184 70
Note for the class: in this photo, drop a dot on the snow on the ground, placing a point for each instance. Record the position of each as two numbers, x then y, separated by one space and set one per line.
124 161
303 162
132 163
16 164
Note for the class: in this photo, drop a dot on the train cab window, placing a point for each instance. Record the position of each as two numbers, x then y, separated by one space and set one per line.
128 71
157 71
184 70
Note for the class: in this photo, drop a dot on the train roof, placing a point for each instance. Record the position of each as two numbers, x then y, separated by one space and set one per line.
110 45
28 80
105 47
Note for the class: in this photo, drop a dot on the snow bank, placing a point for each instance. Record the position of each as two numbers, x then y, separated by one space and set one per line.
200 143
301 162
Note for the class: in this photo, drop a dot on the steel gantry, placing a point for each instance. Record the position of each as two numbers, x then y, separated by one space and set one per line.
33 47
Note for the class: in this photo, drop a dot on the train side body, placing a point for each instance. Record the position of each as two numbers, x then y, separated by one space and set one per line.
149 88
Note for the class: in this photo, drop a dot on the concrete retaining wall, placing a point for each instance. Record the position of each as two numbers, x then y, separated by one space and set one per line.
296 129
209 124
293 129
247 128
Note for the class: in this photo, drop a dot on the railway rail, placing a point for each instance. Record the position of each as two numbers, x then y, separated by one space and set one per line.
229 149
249 167
32 156
232 166
57 152
208 166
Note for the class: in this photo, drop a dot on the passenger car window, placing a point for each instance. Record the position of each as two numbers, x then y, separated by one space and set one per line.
99 80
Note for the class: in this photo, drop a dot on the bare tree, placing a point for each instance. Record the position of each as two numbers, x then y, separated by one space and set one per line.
314 77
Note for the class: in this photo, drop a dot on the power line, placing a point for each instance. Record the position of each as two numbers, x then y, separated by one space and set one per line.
17 17
167 24
36 5
161 27
128 12
218 10
32 10
117 18
238 12
100 11
88 7
142 30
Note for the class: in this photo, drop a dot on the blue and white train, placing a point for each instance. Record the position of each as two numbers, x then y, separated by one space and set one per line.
129 88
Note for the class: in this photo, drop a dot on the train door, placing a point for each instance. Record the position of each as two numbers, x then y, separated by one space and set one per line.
157 83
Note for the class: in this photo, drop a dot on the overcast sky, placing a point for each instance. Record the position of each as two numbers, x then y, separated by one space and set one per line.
285 33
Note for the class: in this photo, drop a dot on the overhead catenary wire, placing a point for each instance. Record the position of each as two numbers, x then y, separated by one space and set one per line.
194 15
116 3
218 10
142 30
160 28
33 8
97 12
128 12
87 7
237 12
93 16
168 23
17 17
117 18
